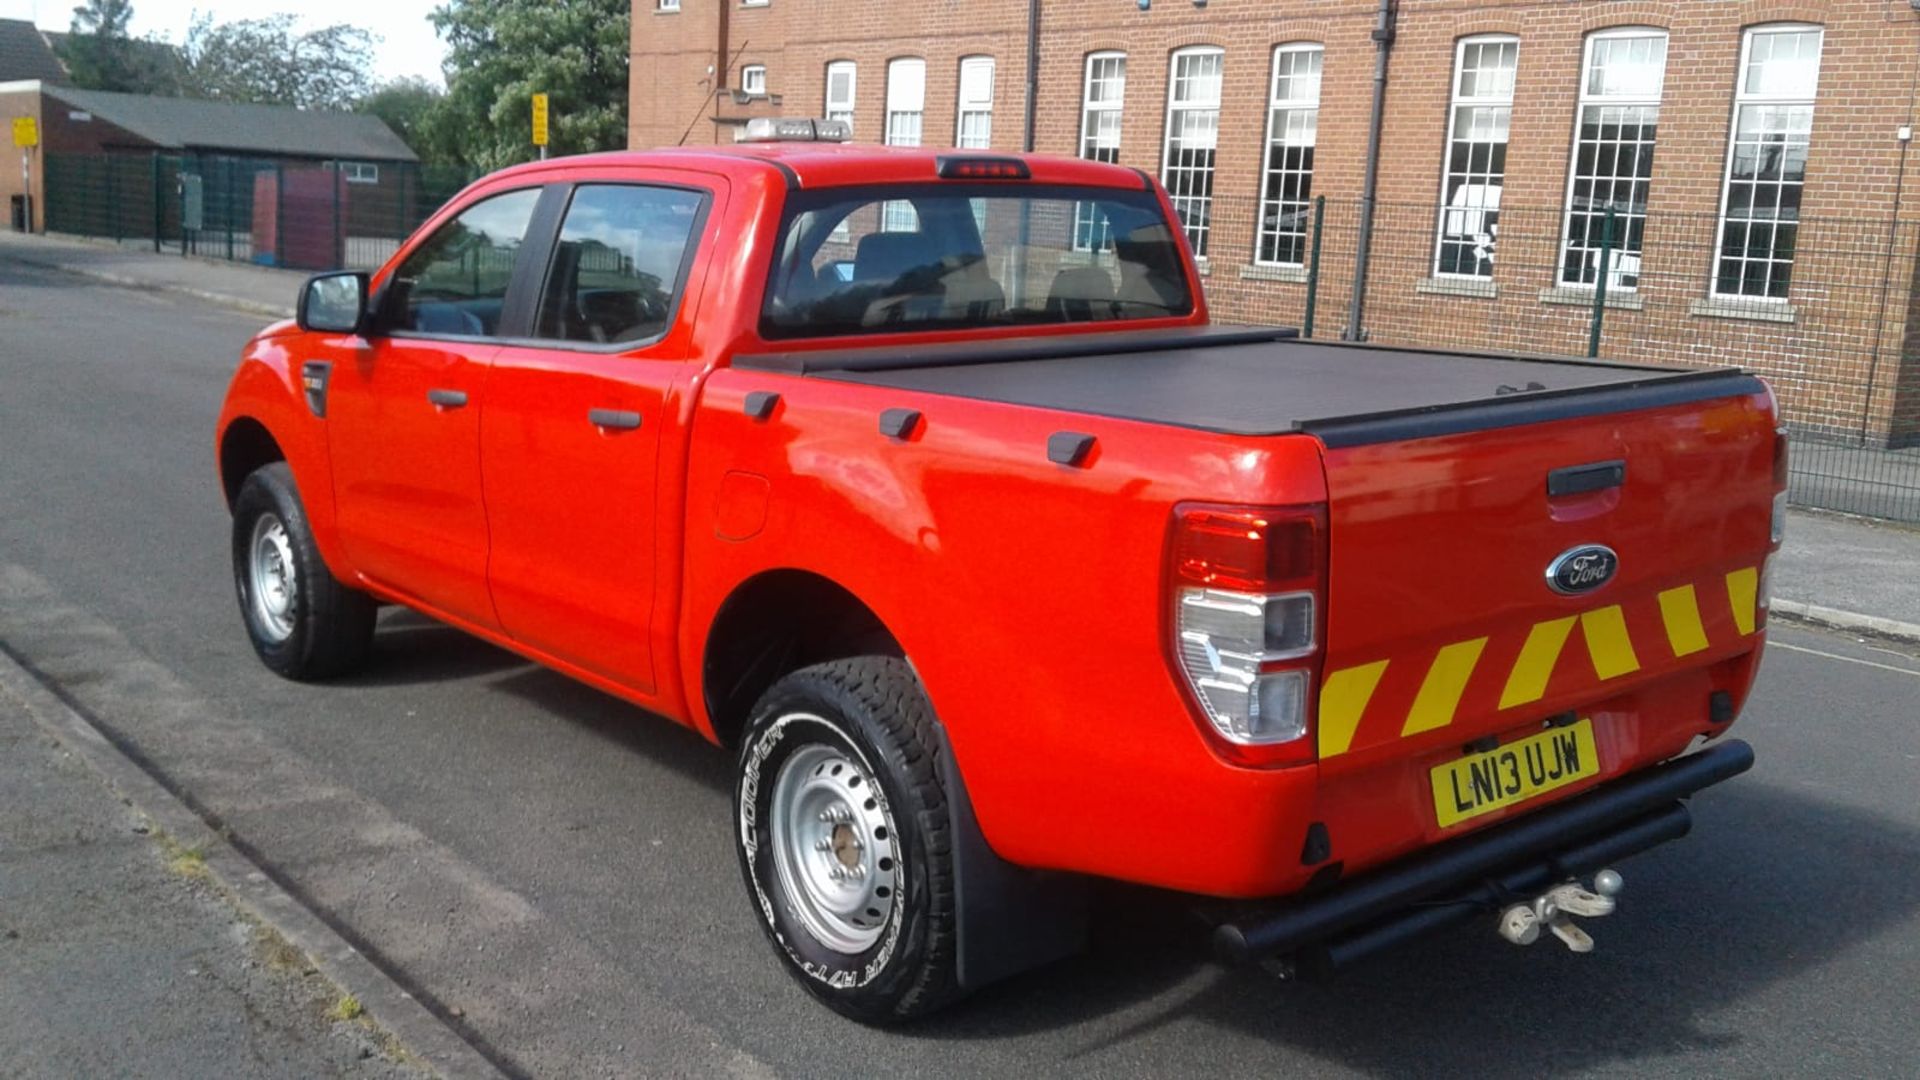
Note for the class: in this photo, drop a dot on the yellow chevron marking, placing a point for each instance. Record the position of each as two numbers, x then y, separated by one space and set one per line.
1342 702
1680 610
1528 681
1743 587
1440 692
1608 643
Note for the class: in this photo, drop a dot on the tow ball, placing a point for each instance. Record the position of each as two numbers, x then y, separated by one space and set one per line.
1555 909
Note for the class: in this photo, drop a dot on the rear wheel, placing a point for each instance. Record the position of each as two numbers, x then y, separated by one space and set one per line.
303 622
845 841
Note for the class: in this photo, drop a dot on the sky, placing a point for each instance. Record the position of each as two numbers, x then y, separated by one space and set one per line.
406 44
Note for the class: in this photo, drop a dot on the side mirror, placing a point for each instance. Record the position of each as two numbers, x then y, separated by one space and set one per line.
334 303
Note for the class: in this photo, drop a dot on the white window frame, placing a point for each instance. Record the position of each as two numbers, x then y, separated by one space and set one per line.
753 80
669 6
1622 264
754 3
1197 235
1276 105
844 109
906 109
1455 102
1743 99
360 172
1092 126
972 104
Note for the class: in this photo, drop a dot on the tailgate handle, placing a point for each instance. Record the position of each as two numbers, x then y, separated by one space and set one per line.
1580 479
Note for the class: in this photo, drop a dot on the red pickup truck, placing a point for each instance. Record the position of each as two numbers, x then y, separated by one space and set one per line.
919 481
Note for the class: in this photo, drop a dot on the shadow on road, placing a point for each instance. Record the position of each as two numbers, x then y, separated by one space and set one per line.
1770 887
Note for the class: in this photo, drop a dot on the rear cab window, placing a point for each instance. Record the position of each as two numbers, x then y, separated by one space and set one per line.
619 268
951 256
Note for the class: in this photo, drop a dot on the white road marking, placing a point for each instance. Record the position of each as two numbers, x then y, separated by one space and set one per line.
1848 659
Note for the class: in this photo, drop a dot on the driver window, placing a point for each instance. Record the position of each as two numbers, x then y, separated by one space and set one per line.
616 272
455 284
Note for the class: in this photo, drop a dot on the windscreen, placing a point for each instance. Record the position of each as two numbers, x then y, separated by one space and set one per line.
947 256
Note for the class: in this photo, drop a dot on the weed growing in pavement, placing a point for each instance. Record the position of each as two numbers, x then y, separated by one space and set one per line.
347 1008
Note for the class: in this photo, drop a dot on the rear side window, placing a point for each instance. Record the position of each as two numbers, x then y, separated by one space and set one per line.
455 284
853 261
620 266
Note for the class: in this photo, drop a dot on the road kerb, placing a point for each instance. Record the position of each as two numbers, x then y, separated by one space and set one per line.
1845 620
129 281
249 884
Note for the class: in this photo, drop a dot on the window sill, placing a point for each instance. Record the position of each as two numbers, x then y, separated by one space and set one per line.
1204 265
1485 288
1726 307
1271 272
1578 296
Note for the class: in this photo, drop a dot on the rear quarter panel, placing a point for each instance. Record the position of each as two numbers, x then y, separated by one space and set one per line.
1028 596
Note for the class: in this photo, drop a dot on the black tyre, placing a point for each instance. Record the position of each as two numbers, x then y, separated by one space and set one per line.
845 840
303 622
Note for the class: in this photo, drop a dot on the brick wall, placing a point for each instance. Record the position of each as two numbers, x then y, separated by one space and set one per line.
1849 359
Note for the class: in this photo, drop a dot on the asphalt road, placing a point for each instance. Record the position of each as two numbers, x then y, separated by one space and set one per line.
549 867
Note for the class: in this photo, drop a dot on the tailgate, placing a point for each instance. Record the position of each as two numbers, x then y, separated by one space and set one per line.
1443 629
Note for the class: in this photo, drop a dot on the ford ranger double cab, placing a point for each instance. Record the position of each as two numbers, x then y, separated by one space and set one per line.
919 481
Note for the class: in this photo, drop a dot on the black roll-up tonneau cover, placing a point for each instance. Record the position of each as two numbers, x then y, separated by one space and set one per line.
1265 381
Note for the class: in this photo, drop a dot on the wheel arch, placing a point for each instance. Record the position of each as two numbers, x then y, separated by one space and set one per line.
245 445
777 622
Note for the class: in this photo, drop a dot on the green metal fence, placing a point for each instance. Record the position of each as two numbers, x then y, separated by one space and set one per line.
276 212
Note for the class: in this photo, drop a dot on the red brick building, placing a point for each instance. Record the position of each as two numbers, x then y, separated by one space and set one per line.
1755 156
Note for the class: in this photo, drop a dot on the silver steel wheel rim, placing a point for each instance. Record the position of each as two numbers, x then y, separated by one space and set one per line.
270 568
834 848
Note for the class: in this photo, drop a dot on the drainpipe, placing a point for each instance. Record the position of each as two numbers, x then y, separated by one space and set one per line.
1382 45
721 80
1033 69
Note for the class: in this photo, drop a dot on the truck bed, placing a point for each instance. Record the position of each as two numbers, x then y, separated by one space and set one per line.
1245 381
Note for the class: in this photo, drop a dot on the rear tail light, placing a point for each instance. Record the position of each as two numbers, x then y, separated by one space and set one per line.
1780 470
1248 588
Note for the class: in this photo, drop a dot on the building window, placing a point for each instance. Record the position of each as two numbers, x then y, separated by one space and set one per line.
1476 165
1620 84
753 80
1106 88
840 87
669 5
1767 161
1193 131
976 104
360 172
1286 186
906 105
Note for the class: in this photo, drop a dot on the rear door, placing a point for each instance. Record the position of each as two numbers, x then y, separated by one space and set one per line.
1444 627
571 438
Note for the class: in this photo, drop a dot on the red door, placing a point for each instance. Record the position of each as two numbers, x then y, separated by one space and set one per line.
404 407
571 434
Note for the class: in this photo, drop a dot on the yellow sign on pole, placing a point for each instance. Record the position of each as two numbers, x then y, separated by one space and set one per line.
26 131
539 119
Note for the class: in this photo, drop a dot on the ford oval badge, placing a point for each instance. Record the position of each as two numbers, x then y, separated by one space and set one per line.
1582 569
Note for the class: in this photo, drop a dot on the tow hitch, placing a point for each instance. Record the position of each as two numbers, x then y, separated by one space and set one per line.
1554 909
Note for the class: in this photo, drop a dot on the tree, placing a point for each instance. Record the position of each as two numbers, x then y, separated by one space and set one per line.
502 52
409 107
266 62
100 55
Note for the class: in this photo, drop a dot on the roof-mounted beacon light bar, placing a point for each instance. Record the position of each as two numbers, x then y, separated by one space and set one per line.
795 129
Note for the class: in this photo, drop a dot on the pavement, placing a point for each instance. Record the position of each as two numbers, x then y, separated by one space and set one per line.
1850 572
121 956
545 871
241 286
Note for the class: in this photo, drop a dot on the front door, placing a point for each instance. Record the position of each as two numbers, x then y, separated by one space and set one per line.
570 438
404 407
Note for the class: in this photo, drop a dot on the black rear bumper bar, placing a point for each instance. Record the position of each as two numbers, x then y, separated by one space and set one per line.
1330 930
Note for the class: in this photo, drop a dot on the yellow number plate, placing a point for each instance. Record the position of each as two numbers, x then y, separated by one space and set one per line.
1482 783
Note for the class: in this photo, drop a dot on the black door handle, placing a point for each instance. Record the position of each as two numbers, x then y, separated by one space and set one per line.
1580 479
614 419
447 399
